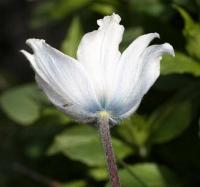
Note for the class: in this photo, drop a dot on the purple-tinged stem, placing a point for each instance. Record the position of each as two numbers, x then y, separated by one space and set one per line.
104 130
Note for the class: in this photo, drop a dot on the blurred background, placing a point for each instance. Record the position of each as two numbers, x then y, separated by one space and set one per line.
157 147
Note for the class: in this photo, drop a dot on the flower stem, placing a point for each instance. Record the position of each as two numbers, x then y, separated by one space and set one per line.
104 130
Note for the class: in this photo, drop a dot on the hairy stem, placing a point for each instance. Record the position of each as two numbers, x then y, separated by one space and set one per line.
104 130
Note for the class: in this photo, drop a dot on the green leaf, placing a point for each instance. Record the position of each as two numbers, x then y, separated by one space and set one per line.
172 118
170 121
55 116
191 32
82 143
152 7
72 39
56 10
147 175
99 173
103 9
179 64
74 184
134 130
64 8
21 105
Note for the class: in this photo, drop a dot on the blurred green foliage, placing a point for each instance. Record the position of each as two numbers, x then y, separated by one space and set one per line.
84 141
157 147
147 174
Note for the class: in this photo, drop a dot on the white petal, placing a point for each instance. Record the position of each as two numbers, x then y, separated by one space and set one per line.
98 52
136 48
62 74
128 64
73 110
148 74
139 80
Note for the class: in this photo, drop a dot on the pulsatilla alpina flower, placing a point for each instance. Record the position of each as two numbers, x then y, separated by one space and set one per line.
101 79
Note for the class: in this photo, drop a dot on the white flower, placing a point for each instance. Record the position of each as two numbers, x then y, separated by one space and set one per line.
101 79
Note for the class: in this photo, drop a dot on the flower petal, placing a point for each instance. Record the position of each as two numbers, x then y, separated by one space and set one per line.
73 110
147 74
129 63
63 75
98 52
139 80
